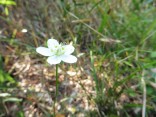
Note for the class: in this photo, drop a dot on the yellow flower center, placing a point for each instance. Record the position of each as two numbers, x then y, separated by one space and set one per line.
58 50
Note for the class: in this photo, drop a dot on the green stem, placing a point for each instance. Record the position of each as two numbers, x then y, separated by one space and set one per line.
56 92
57 82
94 73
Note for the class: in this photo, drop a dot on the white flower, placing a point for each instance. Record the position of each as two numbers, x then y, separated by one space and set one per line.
57 52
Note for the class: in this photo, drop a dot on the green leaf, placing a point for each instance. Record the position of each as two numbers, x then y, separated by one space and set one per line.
131 92
12 99
153 55
1 62
132 105
5 77
7 2
4 94
128 63
20 114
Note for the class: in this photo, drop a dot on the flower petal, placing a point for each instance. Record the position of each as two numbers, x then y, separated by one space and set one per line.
44 51
53 60
52 43
68 49
68 58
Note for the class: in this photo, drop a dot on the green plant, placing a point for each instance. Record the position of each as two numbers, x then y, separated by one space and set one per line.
7 3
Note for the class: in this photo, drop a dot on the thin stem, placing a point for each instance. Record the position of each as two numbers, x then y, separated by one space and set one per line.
94 73
57 82
56 92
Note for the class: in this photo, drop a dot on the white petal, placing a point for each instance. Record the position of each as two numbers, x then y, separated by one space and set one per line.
68 58
52 43
68 49
53 60
44 51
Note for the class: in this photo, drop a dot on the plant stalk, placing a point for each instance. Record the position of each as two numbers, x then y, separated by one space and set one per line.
56 92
